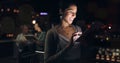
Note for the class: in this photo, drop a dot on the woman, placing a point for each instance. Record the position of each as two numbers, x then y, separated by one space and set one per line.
60 45
40 36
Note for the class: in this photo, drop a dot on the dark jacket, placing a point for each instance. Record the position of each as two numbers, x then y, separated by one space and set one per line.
55 55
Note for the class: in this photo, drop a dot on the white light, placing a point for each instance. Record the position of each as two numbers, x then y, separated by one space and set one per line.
34 21
2 10
43 13
107 38
8 9
109 27
96 36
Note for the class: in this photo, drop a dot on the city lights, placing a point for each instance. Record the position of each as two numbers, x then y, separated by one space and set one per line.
37 15
17 11
14 10
2 10
8 9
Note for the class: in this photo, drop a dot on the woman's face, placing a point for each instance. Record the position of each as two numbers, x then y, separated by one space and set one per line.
70 14
37 28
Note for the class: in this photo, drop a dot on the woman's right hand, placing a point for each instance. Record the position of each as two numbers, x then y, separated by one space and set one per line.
76 36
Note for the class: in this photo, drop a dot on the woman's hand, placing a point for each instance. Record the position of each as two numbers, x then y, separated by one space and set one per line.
76 36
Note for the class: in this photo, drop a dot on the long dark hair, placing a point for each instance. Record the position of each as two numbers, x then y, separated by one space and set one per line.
64 4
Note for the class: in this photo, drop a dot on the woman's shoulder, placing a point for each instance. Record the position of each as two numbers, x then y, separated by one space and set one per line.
52 31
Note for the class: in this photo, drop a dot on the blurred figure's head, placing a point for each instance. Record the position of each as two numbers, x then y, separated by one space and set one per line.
24 29
37 27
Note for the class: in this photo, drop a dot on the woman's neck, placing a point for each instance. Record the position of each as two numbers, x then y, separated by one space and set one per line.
64 24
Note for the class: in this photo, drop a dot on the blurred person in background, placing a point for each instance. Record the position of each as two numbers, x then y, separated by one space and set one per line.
40 36
26 44
24 31
25 38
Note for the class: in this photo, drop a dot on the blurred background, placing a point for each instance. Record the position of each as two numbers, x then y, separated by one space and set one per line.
103 15
14 13
17 12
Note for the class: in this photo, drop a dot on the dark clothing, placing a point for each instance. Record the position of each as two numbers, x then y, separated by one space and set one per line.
56 50
73 53
41 36
41 39
70 61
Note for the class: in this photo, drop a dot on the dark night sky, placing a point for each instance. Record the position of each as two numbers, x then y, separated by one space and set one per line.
37 4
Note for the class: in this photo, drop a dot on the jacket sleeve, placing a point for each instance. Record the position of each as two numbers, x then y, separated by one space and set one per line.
50 46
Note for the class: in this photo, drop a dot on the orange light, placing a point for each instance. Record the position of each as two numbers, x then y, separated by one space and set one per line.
14 10
88 26
8 9
17 11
